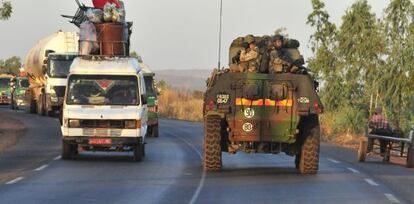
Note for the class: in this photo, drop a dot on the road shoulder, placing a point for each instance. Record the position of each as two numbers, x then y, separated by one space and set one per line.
11 130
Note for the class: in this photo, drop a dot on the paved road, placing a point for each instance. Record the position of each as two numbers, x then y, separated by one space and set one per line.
171 173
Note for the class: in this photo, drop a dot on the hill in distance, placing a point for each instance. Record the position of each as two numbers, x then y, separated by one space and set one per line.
192 79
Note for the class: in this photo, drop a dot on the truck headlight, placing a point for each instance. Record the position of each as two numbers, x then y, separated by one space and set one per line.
132 124
74 123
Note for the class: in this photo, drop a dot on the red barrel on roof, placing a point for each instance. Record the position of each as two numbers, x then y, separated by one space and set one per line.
101 3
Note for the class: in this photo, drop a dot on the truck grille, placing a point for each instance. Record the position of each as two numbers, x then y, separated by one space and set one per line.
102 124
91 132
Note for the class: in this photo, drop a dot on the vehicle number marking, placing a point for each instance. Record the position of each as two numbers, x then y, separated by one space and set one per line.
304 100
247 127
223 98
249 113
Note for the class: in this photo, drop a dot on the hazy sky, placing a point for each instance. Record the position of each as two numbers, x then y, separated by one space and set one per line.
174 34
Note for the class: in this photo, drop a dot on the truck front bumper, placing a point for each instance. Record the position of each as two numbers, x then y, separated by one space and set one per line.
4 99
115 141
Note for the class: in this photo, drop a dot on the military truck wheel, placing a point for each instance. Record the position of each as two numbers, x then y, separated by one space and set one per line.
67 151
309 155
212 143
138 152
297 161
41 105
154 131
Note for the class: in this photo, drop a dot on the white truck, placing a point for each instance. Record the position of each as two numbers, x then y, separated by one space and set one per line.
47 65
105 106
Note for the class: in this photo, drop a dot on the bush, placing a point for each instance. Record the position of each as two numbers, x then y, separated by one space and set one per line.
181 104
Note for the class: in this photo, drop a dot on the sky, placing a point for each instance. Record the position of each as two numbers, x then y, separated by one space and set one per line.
175 34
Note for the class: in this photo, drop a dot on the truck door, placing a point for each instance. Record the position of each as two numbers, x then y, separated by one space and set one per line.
280 112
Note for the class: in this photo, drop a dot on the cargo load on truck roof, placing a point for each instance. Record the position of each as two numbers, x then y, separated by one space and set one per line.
103 31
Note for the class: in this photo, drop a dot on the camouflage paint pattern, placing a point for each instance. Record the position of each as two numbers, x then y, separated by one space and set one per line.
271 114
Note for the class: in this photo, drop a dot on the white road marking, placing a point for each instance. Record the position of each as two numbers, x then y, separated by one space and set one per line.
353 170
371 182
391 198
15 180
41 167
334 161
203 175
57 158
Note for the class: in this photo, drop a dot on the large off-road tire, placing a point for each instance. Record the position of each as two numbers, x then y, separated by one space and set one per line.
138 152
154 131
212 143
309 154
67 151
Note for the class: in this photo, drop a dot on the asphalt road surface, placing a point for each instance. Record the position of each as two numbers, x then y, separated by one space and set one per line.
32 172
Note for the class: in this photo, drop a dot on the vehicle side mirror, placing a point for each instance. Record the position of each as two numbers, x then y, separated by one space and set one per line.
144 99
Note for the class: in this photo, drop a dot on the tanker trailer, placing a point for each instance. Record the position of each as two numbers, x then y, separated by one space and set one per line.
47 65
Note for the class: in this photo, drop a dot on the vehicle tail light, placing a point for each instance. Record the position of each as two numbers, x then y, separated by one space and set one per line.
317 108
211 105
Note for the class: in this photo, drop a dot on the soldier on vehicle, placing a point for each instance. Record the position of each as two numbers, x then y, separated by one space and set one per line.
249 57
380 126
279 61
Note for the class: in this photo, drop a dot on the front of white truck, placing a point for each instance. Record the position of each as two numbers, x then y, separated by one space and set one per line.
105 107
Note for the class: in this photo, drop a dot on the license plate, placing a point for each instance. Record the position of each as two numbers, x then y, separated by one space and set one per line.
99 141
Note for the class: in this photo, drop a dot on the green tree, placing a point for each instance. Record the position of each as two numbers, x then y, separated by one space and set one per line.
397 85
5 10
360 51
323 64
10 66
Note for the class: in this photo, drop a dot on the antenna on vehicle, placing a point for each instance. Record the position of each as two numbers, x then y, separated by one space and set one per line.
219 51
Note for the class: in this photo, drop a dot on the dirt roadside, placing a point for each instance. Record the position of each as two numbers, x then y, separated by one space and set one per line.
11 130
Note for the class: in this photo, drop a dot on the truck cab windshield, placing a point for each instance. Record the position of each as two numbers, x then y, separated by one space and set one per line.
102 90
4 82
59 66
24 83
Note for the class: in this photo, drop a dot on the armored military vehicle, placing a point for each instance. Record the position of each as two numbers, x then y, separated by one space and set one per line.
262 112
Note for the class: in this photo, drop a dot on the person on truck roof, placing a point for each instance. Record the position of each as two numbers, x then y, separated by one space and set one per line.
380 126
249 57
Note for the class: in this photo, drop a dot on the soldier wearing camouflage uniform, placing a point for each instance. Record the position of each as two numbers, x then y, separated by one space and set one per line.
249 57
278 62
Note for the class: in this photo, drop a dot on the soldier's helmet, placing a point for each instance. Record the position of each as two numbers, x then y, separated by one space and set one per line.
278 37
249 39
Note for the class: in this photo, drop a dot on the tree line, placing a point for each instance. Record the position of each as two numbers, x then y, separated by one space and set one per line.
364 63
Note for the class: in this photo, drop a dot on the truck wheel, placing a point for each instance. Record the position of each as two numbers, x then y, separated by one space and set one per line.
154 131
309 158
212 143
41 105
67 150
362 150
138 152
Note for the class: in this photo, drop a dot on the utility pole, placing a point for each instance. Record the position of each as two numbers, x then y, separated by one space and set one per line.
219 51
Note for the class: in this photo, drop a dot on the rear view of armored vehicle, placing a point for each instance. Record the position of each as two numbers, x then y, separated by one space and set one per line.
262 112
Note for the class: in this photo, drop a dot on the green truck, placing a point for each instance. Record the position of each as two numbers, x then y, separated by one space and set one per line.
152 105
261 112
5 95
18 87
